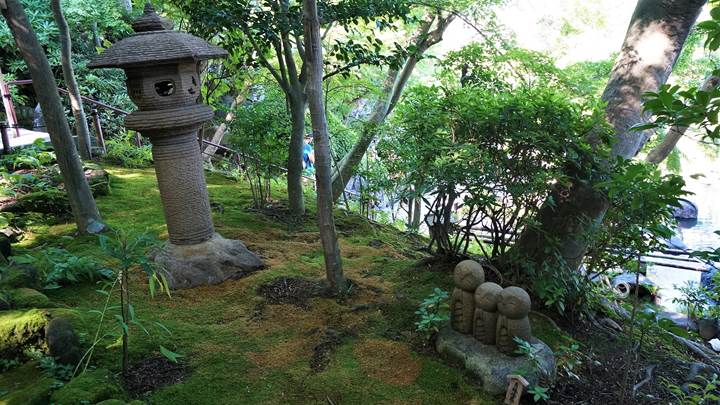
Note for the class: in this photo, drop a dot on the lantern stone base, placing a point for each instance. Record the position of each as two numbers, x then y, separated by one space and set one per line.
206 263
488 365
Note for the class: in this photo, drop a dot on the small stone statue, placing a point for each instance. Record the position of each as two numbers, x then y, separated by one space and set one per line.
485 322
513 309
468 275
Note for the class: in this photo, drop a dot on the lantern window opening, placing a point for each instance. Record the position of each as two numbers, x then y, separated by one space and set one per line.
165 88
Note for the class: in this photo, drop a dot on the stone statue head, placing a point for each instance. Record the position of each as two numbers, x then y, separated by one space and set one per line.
514 303
468 275
487 296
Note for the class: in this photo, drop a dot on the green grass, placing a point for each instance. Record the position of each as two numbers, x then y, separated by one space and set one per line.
240 359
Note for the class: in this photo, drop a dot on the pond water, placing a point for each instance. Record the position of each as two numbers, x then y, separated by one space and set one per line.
698 235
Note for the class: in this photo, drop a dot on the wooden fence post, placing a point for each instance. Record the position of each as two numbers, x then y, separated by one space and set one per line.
98 130
5 139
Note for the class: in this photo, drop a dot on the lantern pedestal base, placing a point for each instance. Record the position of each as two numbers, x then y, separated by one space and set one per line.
206 263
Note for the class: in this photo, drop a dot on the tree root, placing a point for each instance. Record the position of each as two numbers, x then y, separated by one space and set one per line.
648 377
700 350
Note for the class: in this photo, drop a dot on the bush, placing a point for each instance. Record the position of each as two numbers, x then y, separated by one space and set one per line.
483 162
124 152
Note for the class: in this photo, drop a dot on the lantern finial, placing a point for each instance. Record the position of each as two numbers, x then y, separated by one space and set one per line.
151 21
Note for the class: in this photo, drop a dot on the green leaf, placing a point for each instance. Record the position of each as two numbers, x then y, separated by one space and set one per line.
169 354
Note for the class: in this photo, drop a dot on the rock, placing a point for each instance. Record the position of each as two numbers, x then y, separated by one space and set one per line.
489 365
89 388
5 246
98 179
206 263
29 298
687 210
53 201
20 330
715 344
62 341
25 385
20 275
707 328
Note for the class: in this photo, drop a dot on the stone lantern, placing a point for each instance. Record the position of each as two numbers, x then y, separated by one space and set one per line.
162 68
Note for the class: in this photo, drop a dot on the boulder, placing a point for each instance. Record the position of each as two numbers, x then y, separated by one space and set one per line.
686 210
26 385
62 341
206 263
90 387
20 275
52 201
29 298
20 330
490 366
98 179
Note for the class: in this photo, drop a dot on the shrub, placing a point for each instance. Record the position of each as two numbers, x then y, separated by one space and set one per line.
124 152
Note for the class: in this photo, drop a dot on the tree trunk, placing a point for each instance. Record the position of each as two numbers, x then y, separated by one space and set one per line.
81 125
661 151
314 59
219 134
78 190
393 88
657 33
296 200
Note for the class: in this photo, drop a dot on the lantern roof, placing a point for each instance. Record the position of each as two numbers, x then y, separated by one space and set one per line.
154 43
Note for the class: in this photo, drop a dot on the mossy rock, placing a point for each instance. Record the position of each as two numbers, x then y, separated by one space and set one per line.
89 388
21 330
29 298
120 402
46 202
99 181
19 276
25 385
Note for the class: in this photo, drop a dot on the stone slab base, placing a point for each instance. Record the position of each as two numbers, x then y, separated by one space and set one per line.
206 263
490 366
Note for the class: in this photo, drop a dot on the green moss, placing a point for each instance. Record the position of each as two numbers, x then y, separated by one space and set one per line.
90 387
47 202
221 330
119 402
22 329
25 385
29 298
19 276
548 332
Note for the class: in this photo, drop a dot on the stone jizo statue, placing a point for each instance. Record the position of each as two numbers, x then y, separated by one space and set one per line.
487 297
468 275
513 322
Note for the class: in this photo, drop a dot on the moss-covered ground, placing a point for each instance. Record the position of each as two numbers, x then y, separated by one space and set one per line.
241 350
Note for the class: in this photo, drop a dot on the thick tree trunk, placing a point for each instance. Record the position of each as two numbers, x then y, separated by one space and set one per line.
658 30
81 125
393 88
661 151
296 200
78 190
314 59
656 36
